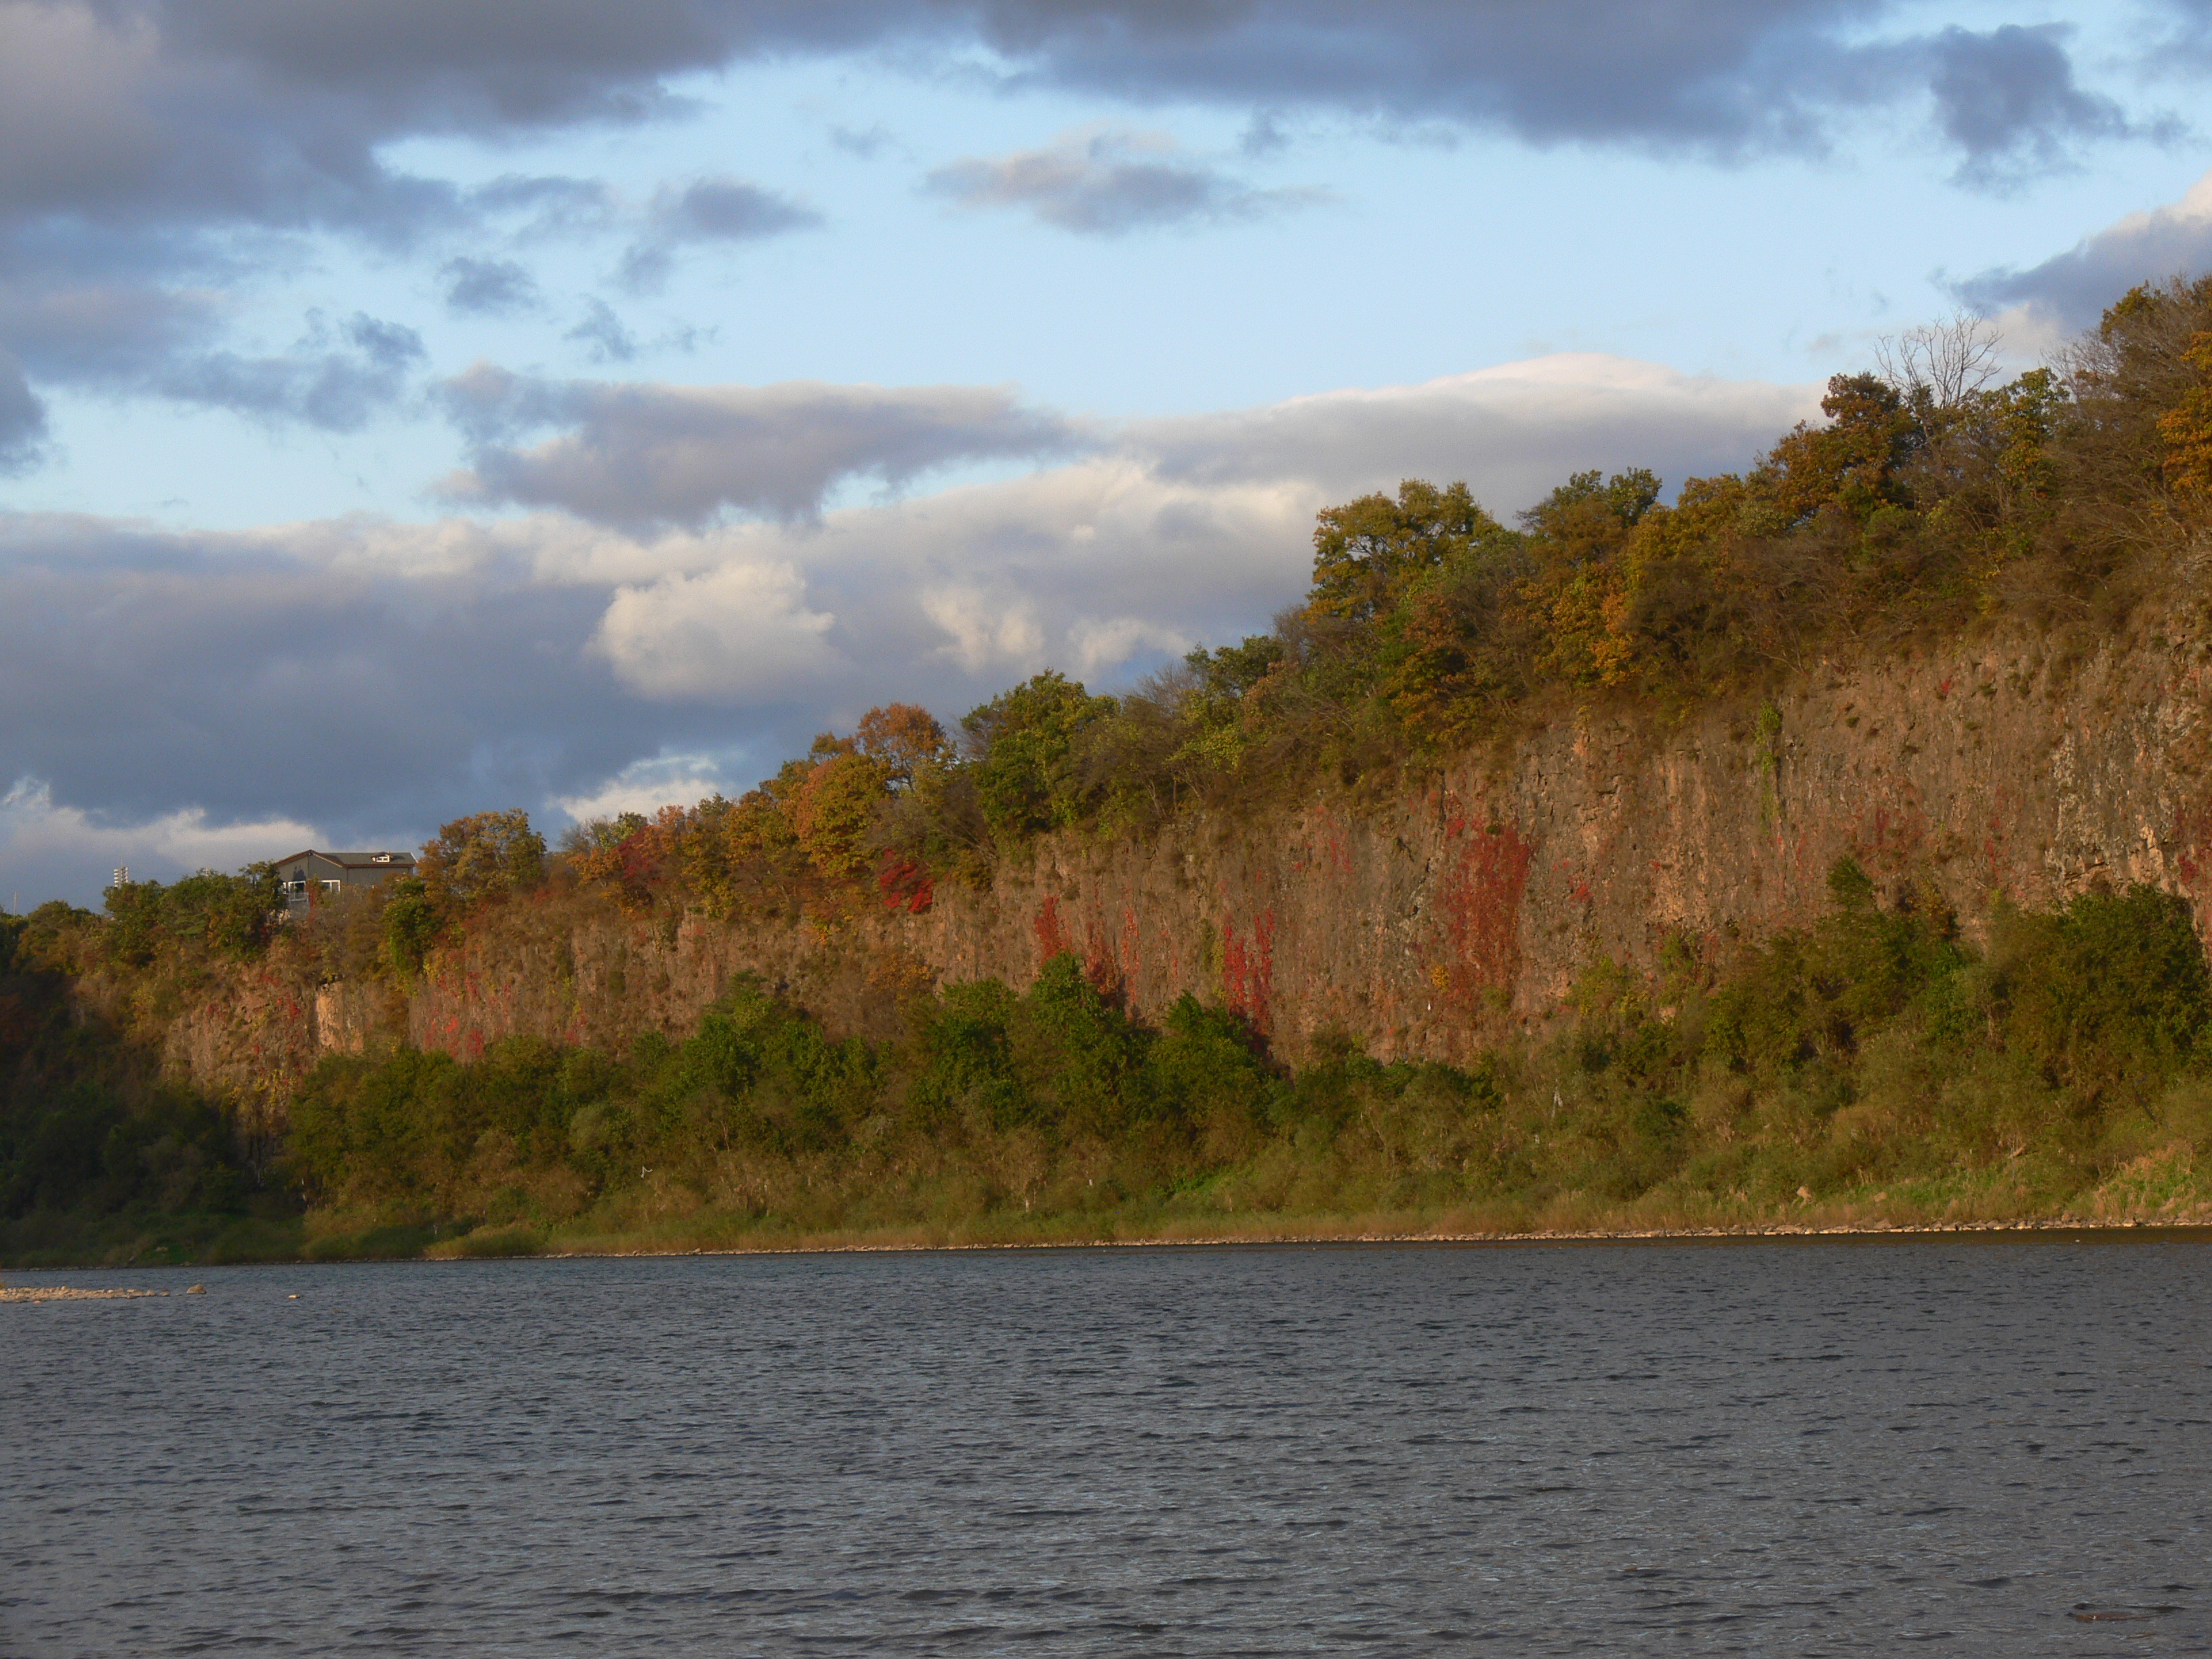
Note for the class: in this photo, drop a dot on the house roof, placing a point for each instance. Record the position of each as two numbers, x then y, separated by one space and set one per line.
378 860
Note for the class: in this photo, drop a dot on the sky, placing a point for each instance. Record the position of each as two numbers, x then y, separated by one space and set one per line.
416 407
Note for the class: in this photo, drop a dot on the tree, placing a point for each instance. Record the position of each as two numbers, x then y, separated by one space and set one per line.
904 739
1589 511
1852 464
1023 751
2187 428
1228 671
1942 364
232 915
1577 537
1368 552
485 855
833 812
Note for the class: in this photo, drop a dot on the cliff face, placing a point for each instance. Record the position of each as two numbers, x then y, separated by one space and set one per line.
1424 924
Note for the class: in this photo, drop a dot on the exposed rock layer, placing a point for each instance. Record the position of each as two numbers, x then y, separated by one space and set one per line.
1422 925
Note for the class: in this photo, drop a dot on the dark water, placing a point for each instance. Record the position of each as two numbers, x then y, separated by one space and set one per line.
1810 1447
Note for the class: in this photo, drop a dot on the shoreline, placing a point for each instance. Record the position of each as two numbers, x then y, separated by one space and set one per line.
1651 1235
520 1249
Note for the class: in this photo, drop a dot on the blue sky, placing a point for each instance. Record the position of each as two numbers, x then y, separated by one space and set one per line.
411 407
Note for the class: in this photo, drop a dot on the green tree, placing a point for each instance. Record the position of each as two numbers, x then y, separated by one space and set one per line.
1024 756
2113 988
229 916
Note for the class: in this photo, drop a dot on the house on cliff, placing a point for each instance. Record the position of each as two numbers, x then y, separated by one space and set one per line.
308 876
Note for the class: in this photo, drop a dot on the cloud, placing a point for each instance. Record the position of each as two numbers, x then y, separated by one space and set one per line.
738 630
1108 184
2187 50
488 287
154 152
645 453
263 111
1727 81
23 418
604 333
339 388
709 210
554 204
646 786
2070 291
726 210
2008 100
375 679
1513 431
304 671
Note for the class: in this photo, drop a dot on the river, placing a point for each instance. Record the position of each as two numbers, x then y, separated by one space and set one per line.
1997 1446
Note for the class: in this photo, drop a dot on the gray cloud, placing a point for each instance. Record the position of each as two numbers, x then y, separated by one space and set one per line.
553 206
109 334
139 673
23 418
264 111
2070 291
2008 100
604 333
143 141
488 287
338 383
133 336
728 211
865 144
644 453
2187 50
709 210
1109 183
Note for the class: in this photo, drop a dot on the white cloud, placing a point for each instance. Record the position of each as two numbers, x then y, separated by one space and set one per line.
984 632
741 630
646 787
1106 645
1512 431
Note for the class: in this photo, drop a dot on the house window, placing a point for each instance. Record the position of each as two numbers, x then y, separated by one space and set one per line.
331 886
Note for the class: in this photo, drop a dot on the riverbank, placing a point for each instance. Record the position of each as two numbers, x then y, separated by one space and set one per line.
482 1244
2158 1191
1969 1202
710 1235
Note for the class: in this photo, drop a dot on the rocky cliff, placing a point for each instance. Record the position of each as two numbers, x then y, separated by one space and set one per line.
1426 924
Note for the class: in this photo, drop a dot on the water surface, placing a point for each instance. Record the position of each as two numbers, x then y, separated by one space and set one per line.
1805 1448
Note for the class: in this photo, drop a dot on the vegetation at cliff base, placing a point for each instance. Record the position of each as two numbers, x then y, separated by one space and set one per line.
1871 1069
